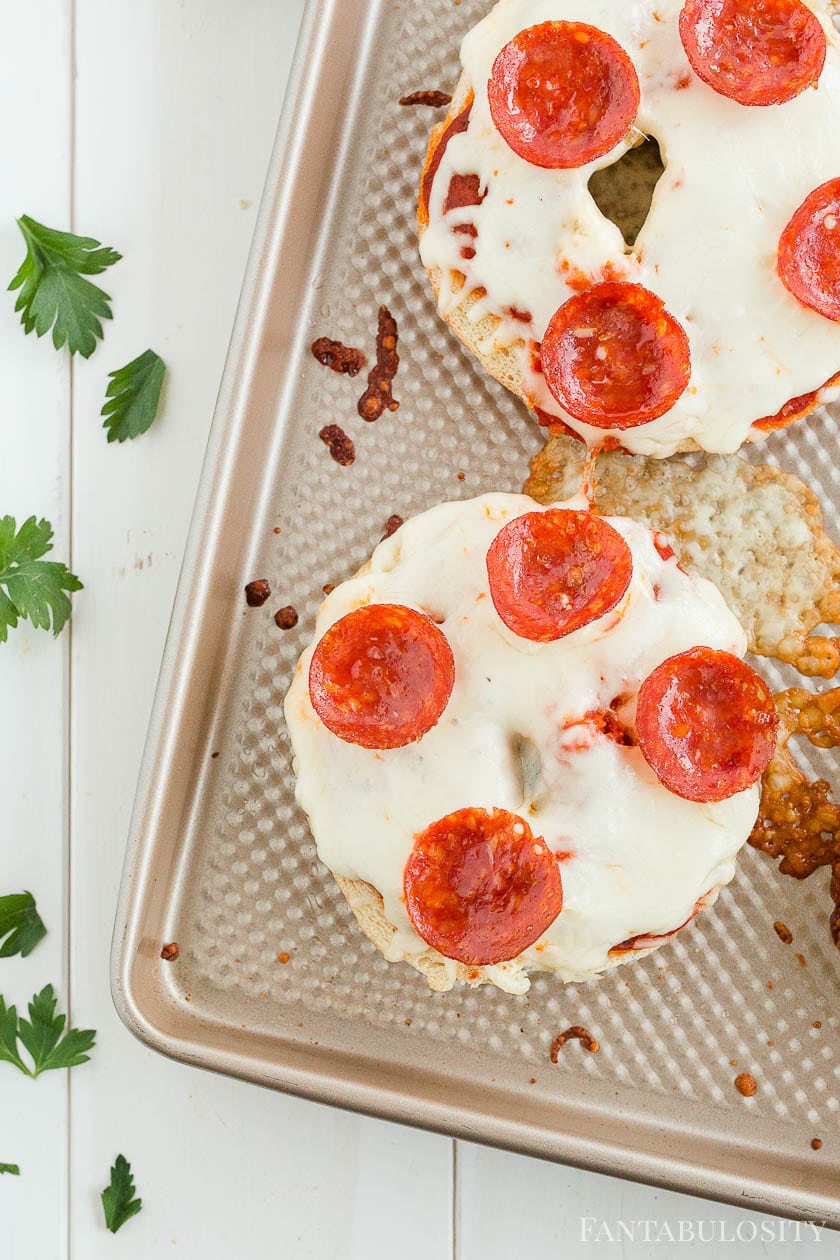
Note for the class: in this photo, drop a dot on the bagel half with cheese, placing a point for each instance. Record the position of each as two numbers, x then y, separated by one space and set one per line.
526 740
721 320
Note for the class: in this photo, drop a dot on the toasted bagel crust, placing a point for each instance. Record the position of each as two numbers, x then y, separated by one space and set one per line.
442 975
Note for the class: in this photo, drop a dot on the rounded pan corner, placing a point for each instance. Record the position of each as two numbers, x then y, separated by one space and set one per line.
144 1018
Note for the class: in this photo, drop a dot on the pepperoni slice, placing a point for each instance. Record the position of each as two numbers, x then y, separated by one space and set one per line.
706 724
480 887
381 676
614 358
464 190
459 123
757 52
553 572
562 94
809 251
663 548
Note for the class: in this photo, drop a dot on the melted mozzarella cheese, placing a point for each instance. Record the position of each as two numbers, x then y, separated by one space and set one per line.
734 175
636 858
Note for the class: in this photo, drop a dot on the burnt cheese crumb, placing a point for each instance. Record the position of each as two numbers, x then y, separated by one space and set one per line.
340 445
286 618
575 1033
256 593
746 1084
392 525
346 360
436 100
379 396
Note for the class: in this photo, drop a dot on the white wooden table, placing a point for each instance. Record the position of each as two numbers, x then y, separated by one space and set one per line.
148 123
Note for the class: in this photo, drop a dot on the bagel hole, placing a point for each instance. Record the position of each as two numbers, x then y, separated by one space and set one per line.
624 191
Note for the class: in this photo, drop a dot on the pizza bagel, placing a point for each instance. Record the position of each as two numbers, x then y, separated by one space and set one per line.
527 741
720 321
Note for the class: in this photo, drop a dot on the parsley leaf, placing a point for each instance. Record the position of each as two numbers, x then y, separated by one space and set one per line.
14 1169
29 586
9 1037
118 1201
43 1036
133 396
53 290
21 924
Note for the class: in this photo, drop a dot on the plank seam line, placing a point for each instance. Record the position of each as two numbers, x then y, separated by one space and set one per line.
72 103
454 1200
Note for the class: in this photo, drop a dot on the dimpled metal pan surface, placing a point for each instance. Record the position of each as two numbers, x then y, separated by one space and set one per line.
220 859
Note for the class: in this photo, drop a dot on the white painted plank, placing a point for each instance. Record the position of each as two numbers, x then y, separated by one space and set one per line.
188 95
34 465
509 1206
